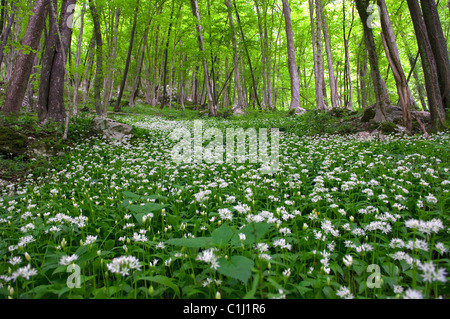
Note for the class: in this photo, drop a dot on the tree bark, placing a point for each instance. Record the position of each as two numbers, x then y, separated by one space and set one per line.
77 63
110 71
295 83
380 89
429 67
439 47
127 63
24 63
211 104
7 31
237 77
333 84
390 45
100 107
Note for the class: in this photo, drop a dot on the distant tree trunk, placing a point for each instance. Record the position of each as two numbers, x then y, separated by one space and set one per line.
100 108
295 83
390 45
320 72
85 84
429 67
77 63
207 81
439 47
237 77
5 34
24 63
166 53
127 63
110 71
380 89
333 84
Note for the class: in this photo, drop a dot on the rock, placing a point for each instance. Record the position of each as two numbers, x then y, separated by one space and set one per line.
43 148
12 142
112 130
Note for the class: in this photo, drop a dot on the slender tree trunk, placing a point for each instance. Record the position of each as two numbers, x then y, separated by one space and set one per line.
5 34
429 67
439 47
237 77
77 63
349 77
295 83
255 87
320 75
211 104
380 89
24 63
109 78
127 63
333 85
101 108
390 45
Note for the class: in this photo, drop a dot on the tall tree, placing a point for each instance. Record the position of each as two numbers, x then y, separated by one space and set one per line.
392 53
201 44
117 108
439 47
24 62
237 78
51 88
429 66
76 75
379 85
295 84
332 79
7 31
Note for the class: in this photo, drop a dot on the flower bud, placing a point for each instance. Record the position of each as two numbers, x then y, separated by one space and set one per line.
218 295
27 257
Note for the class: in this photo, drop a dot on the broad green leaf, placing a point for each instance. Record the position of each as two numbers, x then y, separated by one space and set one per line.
222 235
198 242
238 267
163 280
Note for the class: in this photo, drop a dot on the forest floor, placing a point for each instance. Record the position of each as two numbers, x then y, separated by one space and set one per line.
343 216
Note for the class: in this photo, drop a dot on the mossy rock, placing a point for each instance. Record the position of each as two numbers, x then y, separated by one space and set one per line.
368 115
388 128
12 142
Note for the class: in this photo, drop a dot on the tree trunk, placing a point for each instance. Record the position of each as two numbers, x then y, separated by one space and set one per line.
5 34
110 71
429 67
380 89
439 47
320 72
100 108
24 63
211 105
333 84
127 63
295 83
77 63
390 45
237 77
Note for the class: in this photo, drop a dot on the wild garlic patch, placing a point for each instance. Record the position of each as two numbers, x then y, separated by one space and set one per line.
139 225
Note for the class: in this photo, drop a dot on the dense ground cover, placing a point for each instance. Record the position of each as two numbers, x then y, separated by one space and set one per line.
339 212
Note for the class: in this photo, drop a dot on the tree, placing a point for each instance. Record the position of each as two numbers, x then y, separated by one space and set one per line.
295 84
332 79
380 89
201 44
100 108
24 63
5 34
390 44
51 88
429 66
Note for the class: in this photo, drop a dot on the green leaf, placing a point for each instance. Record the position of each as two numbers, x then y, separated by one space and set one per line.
110 244
163 280
253 232
199 242
129 195
222 235
238 267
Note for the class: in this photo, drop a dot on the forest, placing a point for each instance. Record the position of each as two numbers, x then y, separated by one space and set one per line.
135 139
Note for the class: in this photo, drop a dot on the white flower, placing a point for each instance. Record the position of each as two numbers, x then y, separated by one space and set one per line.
431 199
90 240
24 272
208 257
139 238
440 248
398 289
413 294
242 237
430 274
282 244
67 260
123 265
15 260
348 260
225 214
345 293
